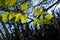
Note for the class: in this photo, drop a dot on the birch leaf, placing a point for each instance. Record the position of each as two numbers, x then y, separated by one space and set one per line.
23 18
10 2
40 22
11 15
49 16
35 21
18 16
5 16
24 6
46 21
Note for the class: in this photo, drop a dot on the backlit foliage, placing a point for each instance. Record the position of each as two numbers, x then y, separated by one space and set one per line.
19 16
45 19
11 15
28 20
24 6
7 2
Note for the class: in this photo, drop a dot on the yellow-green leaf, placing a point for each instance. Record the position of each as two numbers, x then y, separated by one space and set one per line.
11 15
7 2
46 21
10 2
13 19
49 16
37 11
35 21
23 18
24 6
5 16
18 16
40 22
43 12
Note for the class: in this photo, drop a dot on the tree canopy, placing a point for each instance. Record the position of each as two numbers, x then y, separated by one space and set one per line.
29 19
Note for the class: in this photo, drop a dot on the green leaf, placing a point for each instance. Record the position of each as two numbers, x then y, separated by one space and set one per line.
18 16
35 21
7 2
49 16
39 12
40 21
5 16
11 15
43 12
24 6
13 19
46 21
10 2
23 18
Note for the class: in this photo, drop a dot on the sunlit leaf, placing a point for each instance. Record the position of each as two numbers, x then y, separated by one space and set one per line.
7 2
39 12
5 16
40 21
10 2
24 6
18 16
43 12
11 15
49 16
23 18
35 21
46 21
13 19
